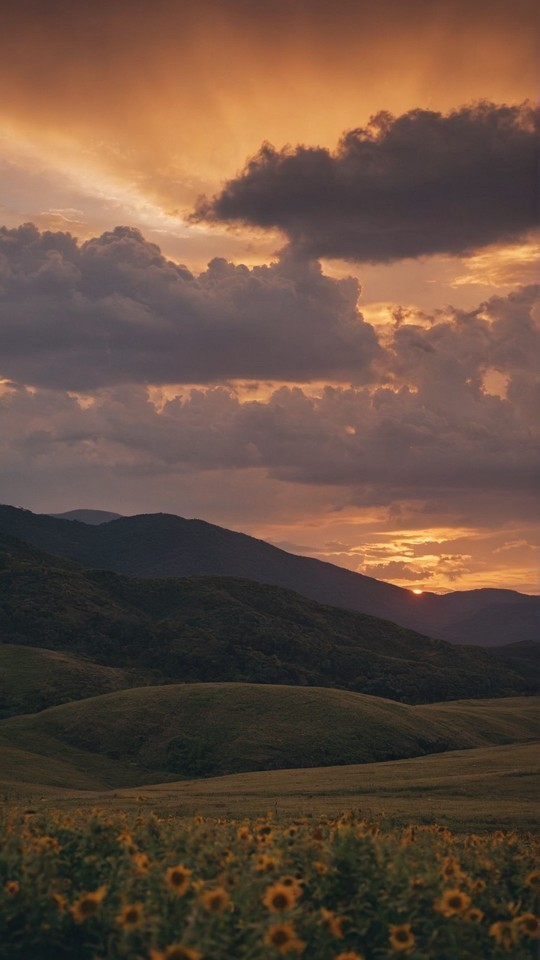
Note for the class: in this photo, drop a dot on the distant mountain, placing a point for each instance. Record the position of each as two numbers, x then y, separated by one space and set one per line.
227 629
163 545
94 517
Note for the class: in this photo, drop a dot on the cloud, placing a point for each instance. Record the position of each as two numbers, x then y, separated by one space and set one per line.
430 432
395 570
114 310
418 184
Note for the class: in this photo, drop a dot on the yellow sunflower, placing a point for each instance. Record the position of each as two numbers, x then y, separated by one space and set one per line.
401 936
350 955
12 887
504 932
533 879
178 879
453 902
176 952
528 924
216 900
333 923
87 905
279 897
130 916
475 915
141 862
283 938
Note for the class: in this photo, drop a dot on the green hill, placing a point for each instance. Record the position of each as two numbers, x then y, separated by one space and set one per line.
32 679
199 730
225 629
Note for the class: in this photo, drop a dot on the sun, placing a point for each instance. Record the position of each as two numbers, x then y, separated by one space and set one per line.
417 590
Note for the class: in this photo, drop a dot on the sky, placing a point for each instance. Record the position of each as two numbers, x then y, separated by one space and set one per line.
275 265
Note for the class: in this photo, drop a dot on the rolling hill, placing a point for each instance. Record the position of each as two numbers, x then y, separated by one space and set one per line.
163 545
227 629
32 679
198 730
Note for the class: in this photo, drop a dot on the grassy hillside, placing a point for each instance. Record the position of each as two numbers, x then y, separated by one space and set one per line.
162 545
485 788
208 729
224 629
32 679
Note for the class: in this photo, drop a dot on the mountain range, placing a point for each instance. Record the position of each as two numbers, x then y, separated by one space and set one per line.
199 629
164 545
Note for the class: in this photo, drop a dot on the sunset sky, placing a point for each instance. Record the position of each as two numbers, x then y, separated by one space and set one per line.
275 265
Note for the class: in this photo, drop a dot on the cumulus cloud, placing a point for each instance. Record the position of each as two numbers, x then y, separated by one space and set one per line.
114 310
418 184
430 431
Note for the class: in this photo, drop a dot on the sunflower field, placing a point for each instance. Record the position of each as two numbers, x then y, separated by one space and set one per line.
89 885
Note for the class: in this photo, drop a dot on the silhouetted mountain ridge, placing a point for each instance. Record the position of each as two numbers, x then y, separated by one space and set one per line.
164 545
201 629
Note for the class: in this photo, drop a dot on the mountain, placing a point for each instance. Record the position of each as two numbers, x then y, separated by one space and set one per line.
94 517
226 629
198 730
163 545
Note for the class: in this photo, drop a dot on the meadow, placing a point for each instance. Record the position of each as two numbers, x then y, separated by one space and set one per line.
115 885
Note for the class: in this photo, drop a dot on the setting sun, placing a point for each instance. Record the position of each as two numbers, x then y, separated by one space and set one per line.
417 591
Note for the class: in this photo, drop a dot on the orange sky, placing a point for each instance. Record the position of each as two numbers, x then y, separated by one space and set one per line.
125 111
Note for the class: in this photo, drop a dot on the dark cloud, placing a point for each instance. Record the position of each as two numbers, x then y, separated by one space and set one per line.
430 432
418 184
114 310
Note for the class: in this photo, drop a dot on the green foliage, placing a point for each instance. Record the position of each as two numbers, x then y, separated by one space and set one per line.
224 629
354 890
32 679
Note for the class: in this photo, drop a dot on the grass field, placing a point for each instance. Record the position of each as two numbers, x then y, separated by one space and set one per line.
479 789
151 734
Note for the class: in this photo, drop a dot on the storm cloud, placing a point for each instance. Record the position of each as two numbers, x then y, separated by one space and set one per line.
432 430
418 184
114 310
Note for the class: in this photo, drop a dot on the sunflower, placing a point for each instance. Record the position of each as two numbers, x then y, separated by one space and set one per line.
130 916
320 867
451 869
453 902
175 952
216 900
12 887
284 939
265 864
295 883
478 885
280 897
349 955
528 924
334 924
178 879
401 936
141 862
60 901
505 933
87 905
475 915
533 880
